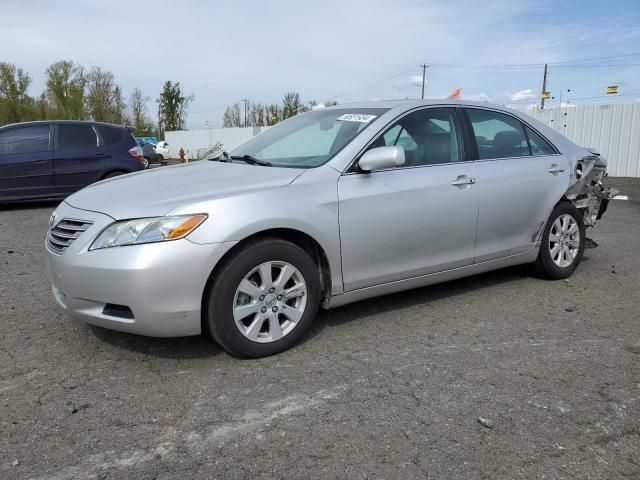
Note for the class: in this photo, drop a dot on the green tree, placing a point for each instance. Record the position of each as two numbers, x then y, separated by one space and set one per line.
256 115
14 85
172 107
273 114
65 90
291 104
42 109
101 100
119 108
231 117
139 115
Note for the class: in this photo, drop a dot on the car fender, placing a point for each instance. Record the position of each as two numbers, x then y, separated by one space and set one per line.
307 205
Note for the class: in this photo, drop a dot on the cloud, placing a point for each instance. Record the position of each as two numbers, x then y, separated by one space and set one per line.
416 80
520 95
476 97
331 50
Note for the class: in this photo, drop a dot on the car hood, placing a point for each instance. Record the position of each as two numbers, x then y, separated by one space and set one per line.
156 192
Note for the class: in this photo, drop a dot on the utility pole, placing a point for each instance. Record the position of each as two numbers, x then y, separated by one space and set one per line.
544 87
246 109
424 76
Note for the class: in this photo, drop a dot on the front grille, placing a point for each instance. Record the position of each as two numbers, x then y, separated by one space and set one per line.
64 233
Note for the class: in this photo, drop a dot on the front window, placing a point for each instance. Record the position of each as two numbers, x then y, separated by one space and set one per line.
25 140
428 137
309 140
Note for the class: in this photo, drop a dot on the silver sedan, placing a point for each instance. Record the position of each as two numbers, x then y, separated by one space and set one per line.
326 208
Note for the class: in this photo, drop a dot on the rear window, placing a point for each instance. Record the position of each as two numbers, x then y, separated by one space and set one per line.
497 135
110 135
25 140
76 136
539 146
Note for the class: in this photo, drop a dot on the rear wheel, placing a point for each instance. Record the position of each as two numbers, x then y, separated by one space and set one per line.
563 242
160 159
145 162
263 299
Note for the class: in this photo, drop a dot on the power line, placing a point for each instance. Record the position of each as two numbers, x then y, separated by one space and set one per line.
609 57
535 65
612 97
373 84
599 66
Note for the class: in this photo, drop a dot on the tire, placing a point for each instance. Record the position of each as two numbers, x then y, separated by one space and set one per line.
559 259
113 174
146 162
160 159
250 316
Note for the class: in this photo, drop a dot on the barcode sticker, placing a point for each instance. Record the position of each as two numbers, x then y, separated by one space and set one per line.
356 117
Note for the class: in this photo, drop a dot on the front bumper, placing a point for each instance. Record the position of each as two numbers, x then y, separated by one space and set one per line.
161 284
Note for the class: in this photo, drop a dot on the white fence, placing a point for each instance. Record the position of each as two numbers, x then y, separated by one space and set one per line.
613 130
196 142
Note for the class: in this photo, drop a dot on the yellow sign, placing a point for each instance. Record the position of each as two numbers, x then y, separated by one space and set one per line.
546 95
612 89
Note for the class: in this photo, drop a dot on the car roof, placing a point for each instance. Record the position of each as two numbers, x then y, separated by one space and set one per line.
407 103
61 122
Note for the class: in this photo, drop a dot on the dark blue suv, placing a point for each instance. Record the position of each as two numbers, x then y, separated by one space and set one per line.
52 159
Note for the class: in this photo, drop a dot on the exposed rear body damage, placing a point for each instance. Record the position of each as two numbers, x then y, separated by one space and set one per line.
587 191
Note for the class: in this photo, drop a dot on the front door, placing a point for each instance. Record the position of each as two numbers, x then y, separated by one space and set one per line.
415 220
77 158
25 163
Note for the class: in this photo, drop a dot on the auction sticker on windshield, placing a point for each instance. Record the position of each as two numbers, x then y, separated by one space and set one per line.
356 117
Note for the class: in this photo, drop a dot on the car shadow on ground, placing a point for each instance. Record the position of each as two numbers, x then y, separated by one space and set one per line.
174 348
410 298
203 347
30 205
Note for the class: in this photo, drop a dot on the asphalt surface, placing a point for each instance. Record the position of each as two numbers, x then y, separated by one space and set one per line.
386 388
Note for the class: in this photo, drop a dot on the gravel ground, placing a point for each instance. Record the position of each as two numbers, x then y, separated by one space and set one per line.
388 388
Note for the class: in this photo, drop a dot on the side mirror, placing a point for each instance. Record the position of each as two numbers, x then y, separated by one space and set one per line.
381 158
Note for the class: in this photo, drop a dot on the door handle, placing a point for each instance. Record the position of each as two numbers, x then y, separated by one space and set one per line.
463 180
555 169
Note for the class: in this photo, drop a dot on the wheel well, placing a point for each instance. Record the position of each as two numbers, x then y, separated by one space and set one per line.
301 239
113 171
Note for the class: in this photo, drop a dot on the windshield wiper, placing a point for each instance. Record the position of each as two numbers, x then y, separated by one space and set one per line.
251 160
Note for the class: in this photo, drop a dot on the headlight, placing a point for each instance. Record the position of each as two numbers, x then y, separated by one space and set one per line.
147 230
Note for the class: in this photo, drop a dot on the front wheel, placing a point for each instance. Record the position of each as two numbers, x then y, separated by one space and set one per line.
263 298
563 242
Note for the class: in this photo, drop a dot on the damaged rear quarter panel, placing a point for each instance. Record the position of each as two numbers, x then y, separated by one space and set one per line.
587 168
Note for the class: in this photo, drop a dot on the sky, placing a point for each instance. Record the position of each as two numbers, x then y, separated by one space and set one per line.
343 50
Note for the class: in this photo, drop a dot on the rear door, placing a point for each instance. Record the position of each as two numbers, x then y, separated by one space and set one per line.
520 179
26 169
406 222
77 158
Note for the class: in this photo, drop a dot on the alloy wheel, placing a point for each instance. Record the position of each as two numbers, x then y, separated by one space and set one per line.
270 301
564 240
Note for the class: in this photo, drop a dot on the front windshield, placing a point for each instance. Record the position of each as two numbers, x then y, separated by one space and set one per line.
310 139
